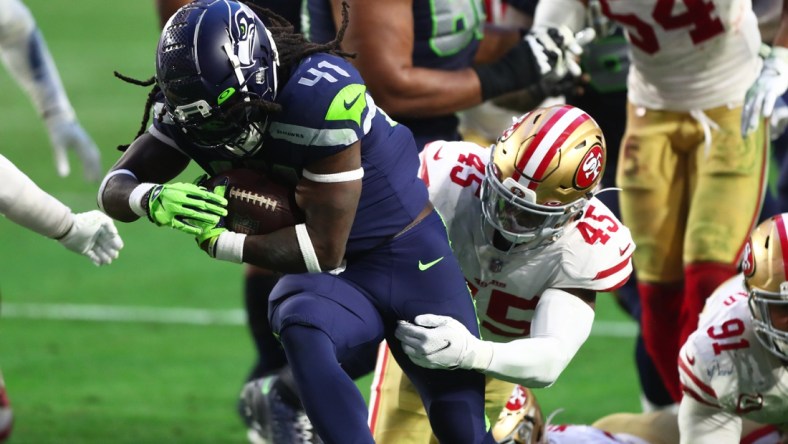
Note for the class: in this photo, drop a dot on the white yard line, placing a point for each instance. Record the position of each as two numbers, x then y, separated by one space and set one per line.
196 316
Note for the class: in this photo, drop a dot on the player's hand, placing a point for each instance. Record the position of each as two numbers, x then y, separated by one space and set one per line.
70 136
768 87
94 235
558 50
442 342
210 232
186 207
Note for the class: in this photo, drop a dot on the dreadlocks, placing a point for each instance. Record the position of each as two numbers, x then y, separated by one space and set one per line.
291 46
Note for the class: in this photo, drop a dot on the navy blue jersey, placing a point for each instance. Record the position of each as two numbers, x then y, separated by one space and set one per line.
325 109
446 35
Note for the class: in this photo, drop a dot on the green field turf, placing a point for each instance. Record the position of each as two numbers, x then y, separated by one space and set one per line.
133 378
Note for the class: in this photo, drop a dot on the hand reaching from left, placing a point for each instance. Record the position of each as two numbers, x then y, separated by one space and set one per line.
94 235
442 342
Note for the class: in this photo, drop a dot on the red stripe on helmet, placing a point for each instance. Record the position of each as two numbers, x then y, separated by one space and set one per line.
582 118
538 139
780 223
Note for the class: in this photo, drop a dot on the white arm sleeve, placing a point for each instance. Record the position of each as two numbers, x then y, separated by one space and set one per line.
555 13
561 324
24 203
27 58
702 424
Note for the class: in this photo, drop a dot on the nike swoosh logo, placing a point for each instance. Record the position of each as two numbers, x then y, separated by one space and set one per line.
622 251
437 154
350 104
424 267
691 360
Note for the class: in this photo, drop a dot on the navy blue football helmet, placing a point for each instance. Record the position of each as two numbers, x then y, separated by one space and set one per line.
215 57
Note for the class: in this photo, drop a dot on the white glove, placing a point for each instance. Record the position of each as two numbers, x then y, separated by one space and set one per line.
558 50
95 236
442 342
69 135
762 95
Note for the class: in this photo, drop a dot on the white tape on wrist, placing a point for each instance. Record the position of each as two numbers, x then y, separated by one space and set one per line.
345 176
135 198
307 249
230 247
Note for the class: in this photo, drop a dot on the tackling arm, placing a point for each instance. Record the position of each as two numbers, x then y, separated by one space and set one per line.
91 234
24 203
561 324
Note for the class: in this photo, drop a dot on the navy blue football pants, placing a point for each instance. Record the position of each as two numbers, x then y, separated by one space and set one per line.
323 319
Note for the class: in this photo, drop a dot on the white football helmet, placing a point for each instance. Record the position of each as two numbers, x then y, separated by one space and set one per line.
542 171
764 267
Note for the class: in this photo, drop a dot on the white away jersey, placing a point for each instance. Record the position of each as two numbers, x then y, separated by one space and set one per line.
594 253
688 54
723 364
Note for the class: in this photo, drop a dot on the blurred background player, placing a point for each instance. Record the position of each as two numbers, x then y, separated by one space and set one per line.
26 57
690 68
734 365
239 93
438 57
535 246
91 234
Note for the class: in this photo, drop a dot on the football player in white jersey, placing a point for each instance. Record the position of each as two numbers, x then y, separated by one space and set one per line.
534 245
691 65
734 365
24 53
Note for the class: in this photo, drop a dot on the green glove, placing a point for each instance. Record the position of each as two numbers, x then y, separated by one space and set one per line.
185 206
211 231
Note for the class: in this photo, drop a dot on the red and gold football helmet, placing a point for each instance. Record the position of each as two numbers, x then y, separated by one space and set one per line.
521 421
542 171
766 278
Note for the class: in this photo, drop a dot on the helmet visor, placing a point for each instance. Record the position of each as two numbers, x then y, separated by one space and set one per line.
767 309
240 129
516 216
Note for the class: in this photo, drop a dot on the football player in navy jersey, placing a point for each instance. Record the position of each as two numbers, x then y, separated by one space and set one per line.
372 251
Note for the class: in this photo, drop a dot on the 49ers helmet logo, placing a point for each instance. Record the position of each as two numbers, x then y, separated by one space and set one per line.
748 261
590 168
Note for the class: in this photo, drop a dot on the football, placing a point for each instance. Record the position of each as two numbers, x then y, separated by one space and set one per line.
256 203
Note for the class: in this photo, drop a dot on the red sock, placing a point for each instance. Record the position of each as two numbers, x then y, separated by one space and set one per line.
659 324
700 281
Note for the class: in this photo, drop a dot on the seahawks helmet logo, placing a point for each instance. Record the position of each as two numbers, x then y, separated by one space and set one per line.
243 36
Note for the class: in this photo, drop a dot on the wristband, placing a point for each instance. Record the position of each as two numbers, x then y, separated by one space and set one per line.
307 249
515 70
229 246
137 196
